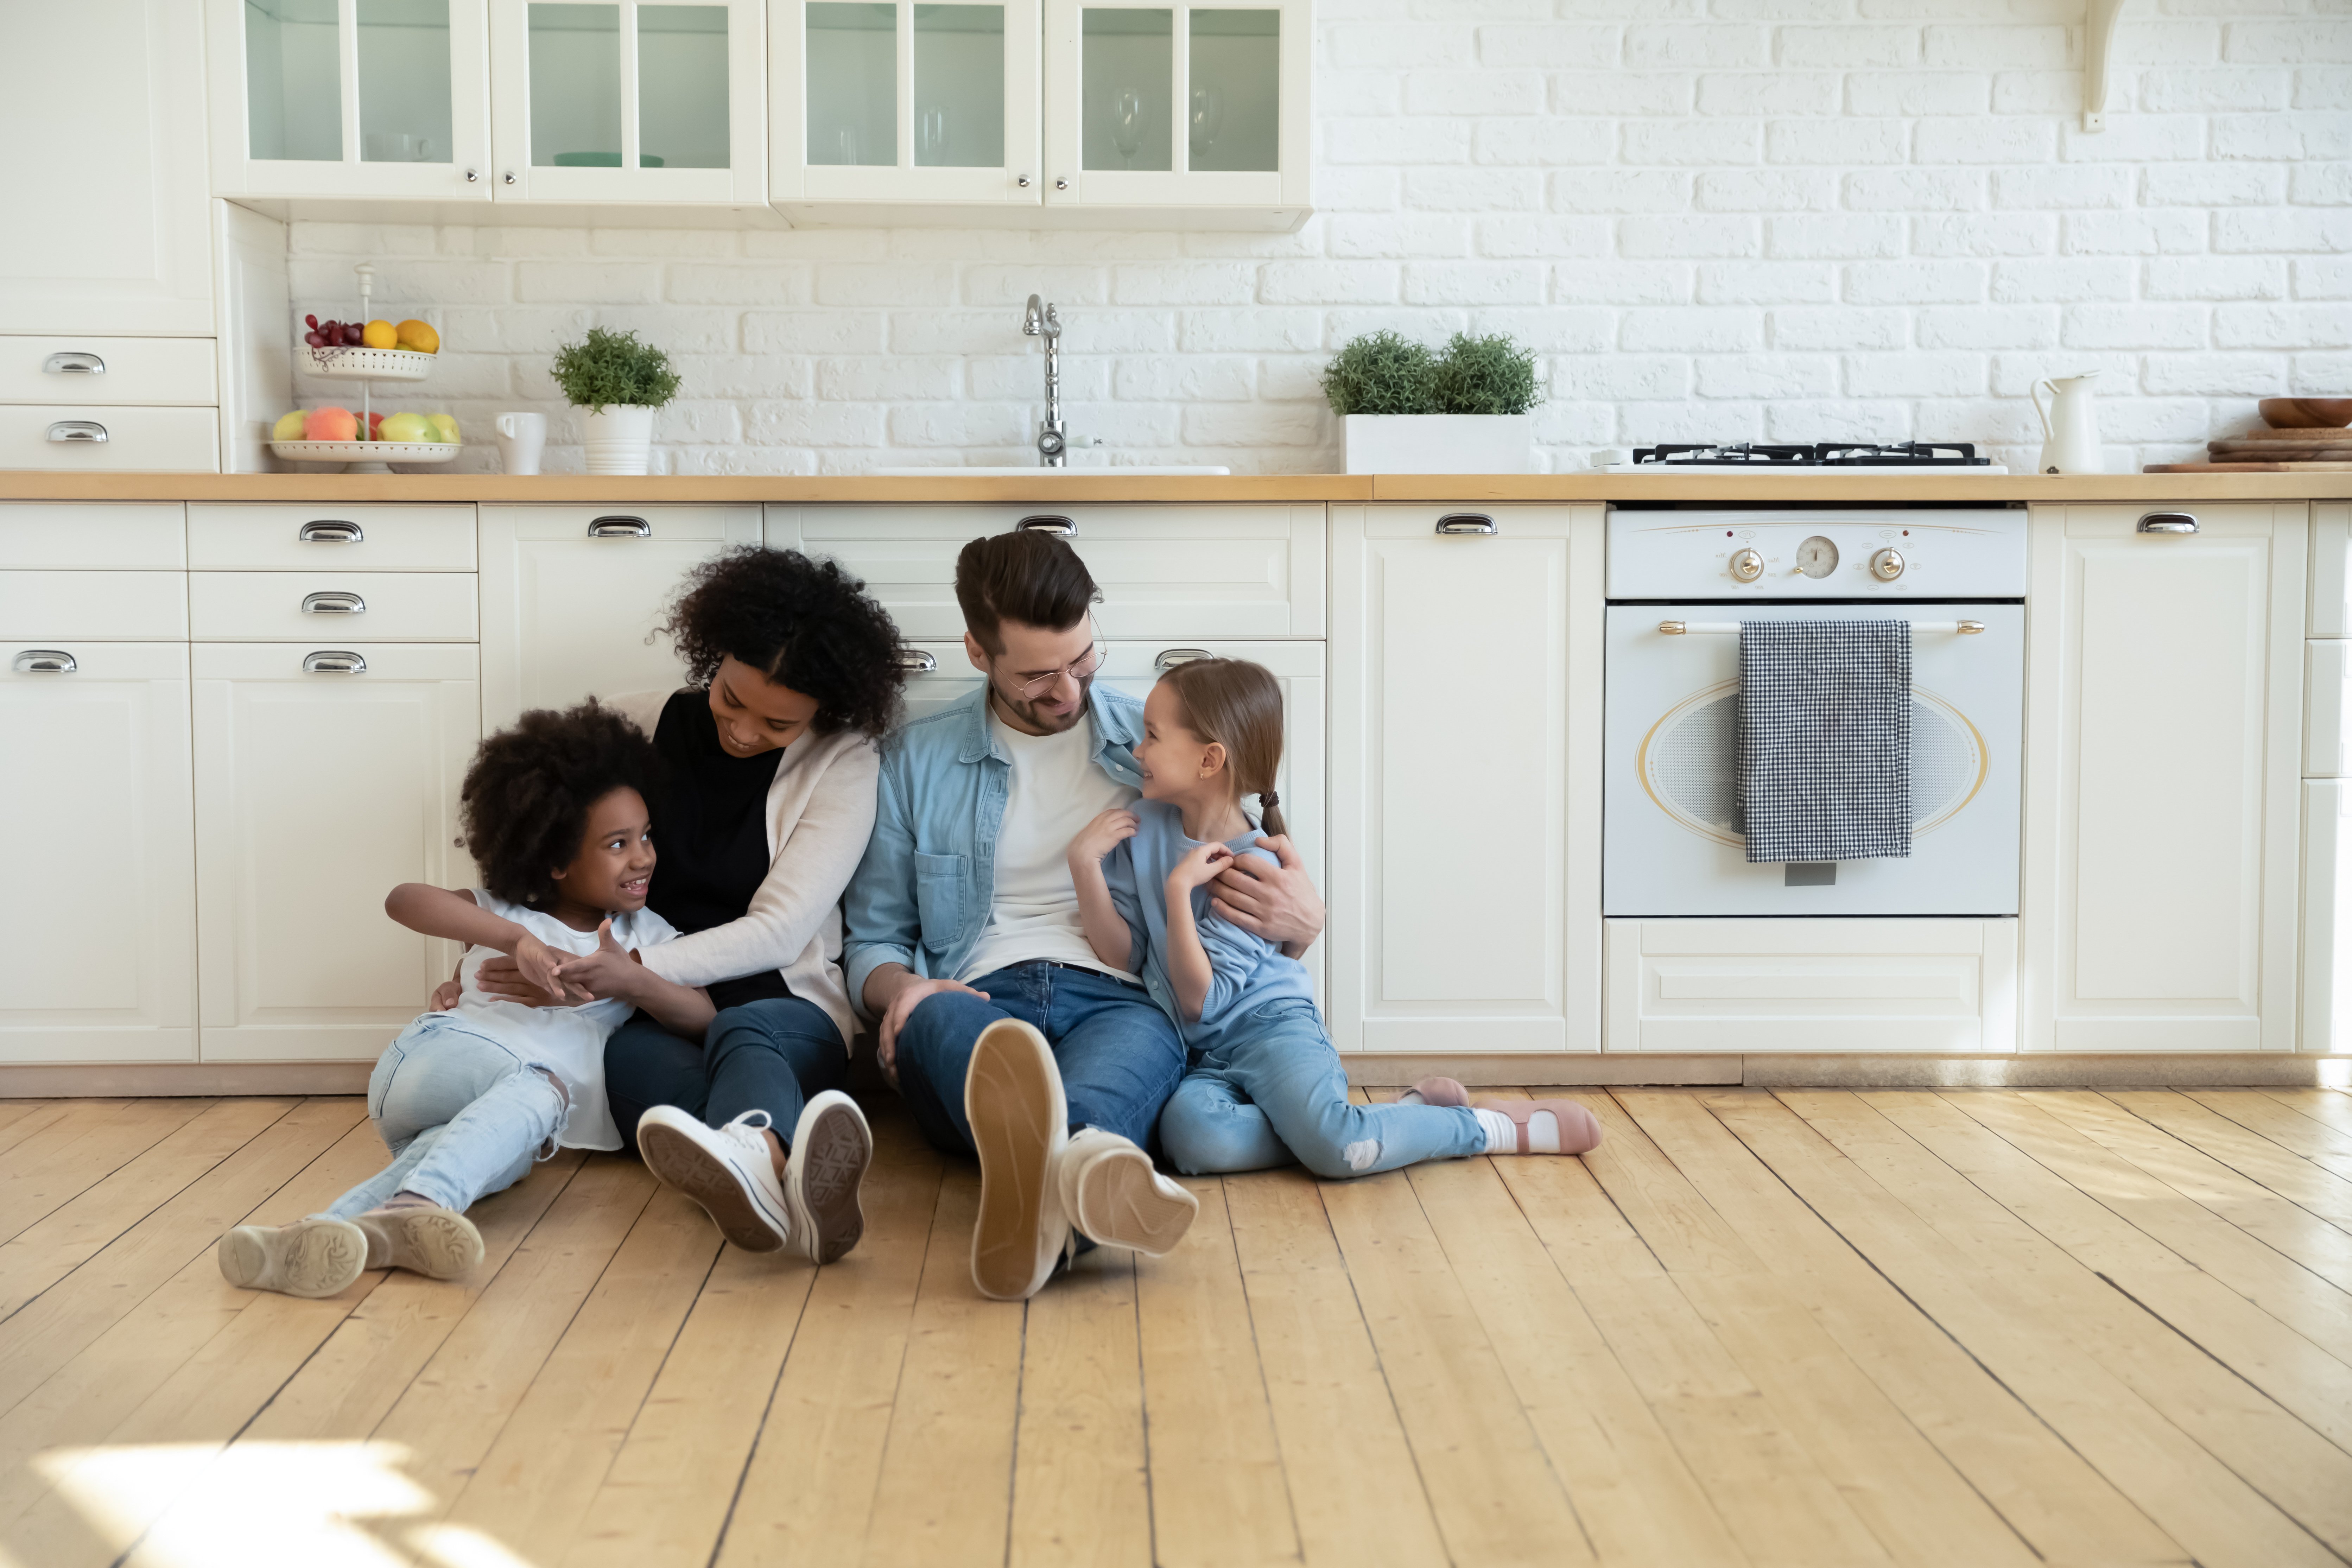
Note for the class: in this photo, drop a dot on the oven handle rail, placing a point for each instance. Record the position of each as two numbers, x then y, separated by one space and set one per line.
1731 629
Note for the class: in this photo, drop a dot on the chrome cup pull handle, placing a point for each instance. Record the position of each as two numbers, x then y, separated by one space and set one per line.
1169 658
1467 522
45 661
918 661
73 362
333 603
1970 629
330 530
2167 522
1673 629
620 527
1059 527
78 430
334 661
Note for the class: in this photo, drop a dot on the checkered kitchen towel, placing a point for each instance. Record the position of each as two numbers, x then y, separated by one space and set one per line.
1825 739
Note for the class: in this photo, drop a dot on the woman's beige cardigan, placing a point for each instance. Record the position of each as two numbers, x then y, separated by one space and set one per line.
820 814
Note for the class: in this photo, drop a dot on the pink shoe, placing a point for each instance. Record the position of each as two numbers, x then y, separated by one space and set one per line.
1580 1130
1442 1091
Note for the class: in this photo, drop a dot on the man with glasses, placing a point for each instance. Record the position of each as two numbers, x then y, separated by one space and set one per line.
1006 1035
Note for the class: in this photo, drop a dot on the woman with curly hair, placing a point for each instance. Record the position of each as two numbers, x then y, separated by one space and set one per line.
762 807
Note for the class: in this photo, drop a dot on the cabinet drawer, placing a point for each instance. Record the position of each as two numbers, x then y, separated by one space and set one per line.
1164 571
305 606
290 661
107 370
96 536
137 441
333 538
112 606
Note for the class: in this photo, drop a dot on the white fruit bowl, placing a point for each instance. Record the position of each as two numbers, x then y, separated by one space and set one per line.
372 452
369 364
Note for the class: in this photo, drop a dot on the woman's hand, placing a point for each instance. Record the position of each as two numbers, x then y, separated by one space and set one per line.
541 964
610 971
1101 836
502 977
1204 863
444 996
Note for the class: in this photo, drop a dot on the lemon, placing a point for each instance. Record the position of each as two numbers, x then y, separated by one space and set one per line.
419 337
378 335
289 427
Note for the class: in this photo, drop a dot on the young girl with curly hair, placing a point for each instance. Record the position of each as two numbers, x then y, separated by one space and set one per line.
469 1096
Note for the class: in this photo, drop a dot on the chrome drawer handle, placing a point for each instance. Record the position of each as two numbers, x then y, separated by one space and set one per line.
1467 522
1171 656
1059 527
618 527
78 430
333 603
330 530
334 661
45 661
73 362
2167 522
1731 629
918 661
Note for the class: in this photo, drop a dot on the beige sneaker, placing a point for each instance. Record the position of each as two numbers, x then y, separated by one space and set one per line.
1111 1192
438 1243
314 1257
1013 1098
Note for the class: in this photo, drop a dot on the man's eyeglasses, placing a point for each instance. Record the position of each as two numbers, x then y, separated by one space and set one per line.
1080 669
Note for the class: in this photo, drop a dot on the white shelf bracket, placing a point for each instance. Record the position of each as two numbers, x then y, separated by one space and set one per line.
2099 18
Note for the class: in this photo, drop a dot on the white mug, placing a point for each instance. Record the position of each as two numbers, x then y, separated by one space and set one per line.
520 439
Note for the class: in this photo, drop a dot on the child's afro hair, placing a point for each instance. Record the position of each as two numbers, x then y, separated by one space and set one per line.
526 798
803 624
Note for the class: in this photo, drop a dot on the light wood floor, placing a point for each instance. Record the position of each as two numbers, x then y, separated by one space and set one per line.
1971 1328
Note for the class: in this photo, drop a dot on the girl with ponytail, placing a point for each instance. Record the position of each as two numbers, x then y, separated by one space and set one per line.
1265 1085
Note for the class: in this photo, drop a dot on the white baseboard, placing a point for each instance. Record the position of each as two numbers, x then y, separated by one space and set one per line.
1785 1070
162 1080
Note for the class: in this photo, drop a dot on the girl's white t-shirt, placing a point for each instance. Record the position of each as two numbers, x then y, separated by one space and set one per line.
569 1039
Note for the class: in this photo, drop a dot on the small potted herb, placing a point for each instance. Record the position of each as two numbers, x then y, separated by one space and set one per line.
1468 410
617 380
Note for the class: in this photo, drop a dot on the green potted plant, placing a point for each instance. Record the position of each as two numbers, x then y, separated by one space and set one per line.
616 380
1404 410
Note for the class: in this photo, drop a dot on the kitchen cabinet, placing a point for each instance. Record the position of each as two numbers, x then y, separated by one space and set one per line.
325 775
2164 728
1465 892
570 597
109 227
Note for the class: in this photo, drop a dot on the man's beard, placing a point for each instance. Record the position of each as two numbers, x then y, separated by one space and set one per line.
1036 717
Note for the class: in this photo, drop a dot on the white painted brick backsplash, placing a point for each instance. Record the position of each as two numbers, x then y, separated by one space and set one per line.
1774 219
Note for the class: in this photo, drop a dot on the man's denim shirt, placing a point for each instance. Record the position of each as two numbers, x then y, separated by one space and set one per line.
923 892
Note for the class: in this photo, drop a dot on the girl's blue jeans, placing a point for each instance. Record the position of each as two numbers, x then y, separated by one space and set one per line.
1274 1090
462 1115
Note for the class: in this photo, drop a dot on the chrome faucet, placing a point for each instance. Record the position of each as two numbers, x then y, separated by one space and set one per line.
1053 443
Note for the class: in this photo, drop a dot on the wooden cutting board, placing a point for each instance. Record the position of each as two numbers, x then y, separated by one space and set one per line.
2266 452
2323 435
2278 467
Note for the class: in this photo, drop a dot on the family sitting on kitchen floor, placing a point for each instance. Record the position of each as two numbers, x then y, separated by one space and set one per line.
1049 899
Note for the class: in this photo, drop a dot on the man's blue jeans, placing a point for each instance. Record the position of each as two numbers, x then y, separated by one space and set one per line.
1119 1056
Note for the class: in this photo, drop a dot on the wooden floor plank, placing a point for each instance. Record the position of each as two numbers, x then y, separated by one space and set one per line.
2259 1113
2329 1107
1355 1494
2044 1340
1080 1492
1219 1497
53 1168
30 1141
2290 1176
13 1111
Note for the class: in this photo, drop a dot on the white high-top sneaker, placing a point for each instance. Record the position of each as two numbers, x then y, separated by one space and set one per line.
1110 1193
832 1146
727 1170
1013 1098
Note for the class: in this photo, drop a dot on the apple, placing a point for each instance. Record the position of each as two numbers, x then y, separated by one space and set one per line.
444 427
375 427
405 427
289 427
330 424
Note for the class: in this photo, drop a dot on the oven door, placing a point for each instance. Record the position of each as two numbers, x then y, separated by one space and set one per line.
1672 847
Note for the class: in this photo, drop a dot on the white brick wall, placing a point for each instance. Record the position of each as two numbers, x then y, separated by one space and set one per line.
1770 219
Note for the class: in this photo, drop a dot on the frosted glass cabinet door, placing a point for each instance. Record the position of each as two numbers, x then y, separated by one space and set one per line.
350 98
1154 104
630 100
890 100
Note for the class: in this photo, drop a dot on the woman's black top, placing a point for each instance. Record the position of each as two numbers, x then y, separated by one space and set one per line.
710 832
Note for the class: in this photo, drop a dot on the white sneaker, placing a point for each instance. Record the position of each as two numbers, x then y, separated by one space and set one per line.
1111 1192
832 1146
727 1170
1013 1098
314 1257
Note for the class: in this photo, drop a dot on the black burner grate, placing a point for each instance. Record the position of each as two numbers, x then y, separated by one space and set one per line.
1826 455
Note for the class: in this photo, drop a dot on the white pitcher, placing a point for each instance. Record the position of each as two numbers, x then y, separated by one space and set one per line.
2070 426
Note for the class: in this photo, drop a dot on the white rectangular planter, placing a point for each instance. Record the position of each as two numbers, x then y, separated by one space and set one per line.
1441 443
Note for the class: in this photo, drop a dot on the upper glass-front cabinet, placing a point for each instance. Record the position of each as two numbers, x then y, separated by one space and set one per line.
350 98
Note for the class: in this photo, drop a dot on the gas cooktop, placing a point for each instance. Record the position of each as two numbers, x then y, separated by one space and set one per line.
1851 457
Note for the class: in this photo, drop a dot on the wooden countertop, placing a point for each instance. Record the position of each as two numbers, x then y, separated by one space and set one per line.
681 489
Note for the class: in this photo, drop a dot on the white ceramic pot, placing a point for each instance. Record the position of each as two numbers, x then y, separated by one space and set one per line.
1441 443
620 440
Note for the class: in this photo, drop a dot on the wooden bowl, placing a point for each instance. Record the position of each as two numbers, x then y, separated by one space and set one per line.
2307 412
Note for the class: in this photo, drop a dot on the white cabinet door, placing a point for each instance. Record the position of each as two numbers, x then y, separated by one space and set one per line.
339 99
2164 715
1466 779
317 792
656 101
572 593
98 959
108 230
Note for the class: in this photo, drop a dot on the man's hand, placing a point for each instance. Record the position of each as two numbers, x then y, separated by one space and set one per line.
903 1003
1276 903
500 976
610 971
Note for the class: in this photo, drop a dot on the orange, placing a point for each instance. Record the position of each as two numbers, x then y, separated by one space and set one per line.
419 336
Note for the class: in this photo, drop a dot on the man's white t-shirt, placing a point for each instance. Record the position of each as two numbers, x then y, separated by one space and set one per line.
1054 791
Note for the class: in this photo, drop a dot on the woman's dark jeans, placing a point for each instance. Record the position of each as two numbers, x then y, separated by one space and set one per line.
768 1055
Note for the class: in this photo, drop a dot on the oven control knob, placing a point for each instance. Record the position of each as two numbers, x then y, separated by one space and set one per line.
1886 565
1746 565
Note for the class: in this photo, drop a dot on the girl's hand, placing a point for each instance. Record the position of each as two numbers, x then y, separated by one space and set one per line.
1101 836
501 976
610 971
541 964
1201 866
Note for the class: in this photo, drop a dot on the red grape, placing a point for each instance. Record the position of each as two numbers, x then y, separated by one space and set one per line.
352 336
311 322
315 339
